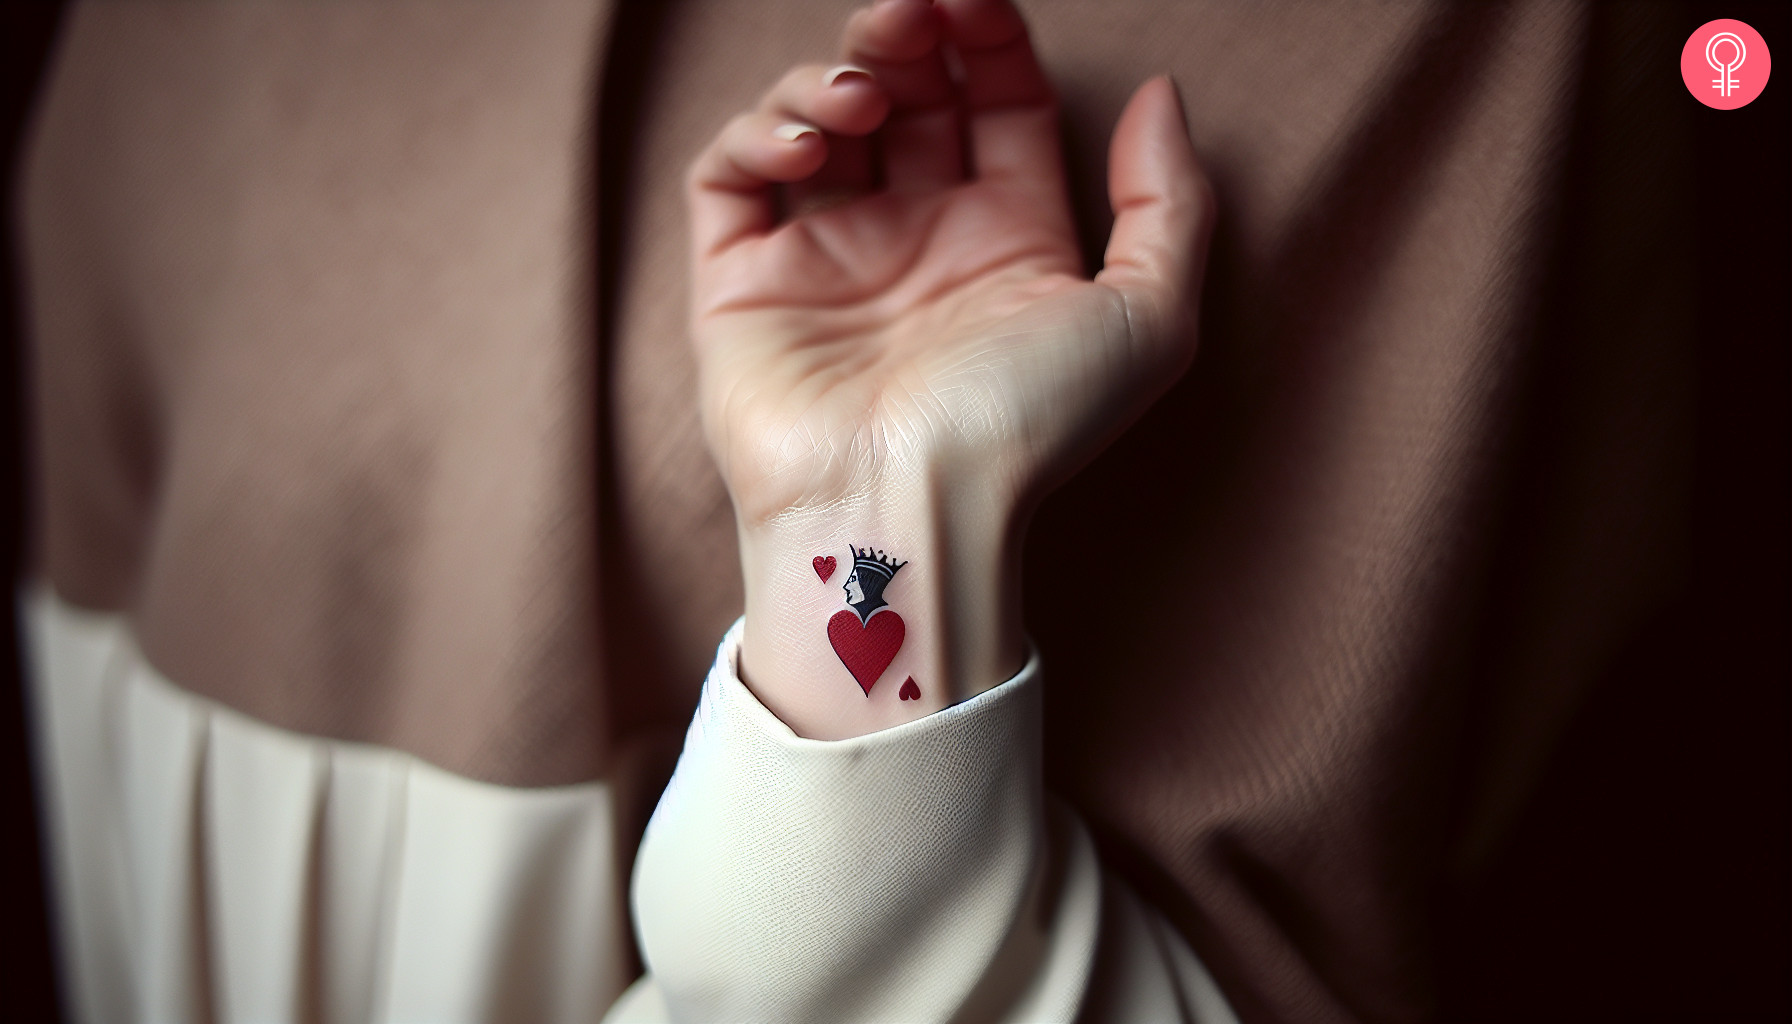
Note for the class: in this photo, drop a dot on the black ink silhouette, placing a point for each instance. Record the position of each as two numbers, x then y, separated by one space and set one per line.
871 573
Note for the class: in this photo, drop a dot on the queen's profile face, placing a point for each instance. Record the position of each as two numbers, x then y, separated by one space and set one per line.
855 594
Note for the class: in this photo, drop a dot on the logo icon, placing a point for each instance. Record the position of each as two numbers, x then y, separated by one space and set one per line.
1726 84
1725 64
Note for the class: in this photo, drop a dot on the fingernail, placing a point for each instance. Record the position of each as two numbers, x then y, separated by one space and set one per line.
793 132
835 74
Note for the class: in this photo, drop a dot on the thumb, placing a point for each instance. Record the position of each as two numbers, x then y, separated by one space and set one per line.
1163 208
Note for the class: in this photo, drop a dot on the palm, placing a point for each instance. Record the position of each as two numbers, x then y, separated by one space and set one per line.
862 337
944 319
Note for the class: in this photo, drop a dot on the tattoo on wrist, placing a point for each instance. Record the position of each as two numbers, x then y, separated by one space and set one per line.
867 634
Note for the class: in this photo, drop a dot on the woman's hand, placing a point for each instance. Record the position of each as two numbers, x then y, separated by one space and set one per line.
909 355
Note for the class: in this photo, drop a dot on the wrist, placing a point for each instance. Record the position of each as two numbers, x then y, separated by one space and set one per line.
848 601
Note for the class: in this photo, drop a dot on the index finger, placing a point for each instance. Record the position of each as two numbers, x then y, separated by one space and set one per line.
729 187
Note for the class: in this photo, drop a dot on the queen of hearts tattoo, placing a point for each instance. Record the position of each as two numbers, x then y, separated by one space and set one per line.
868 633
871 573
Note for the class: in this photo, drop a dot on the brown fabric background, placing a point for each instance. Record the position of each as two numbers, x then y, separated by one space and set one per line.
1422 654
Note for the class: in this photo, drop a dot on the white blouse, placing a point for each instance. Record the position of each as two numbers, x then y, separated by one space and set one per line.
208 866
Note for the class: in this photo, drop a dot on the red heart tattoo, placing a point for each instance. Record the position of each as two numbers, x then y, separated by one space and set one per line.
824 567
867 649
909 690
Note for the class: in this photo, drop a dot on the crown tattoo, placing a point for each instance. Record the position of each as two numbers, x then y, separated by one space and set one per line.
875 561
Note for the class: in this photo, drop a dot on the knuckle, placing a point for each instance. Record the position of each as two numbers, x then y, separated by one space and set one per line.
794 89
801 79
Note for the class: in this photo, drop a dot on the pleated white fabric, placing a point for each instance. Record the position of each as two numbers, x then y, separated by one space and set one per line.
209 867
914 874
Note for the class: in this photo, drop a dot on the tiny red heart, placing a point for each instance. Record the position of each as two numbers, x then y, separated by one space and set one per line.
909 690
867 648
824 567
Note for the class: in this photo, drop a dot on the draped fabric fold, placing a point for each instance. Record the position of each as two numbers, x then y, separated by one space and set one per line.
211 867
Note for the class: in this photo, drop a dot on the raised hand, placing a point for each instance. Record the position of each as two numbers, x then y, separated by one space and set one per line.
895 338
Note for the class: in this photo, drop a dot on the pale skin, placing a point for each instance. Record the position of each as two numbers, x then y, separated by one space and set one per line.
897 344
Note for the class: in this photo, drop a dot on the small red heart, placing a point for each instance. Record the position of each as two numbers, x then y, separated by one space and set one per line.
909 690
824 567
866 649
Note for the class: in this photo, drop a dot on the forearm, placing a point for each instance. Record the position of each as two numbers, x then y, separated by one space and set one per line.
952 615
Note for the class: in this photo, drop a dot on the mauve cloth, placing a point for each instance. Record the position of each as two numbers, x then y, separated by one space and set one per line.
361 384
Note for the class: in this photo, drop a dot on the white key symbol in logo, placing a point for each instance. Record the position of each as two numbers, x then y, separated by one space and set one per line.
1725 83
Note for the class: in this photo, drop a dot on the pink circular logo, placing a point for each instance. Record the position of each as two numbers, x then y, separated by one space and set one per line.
1725 64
